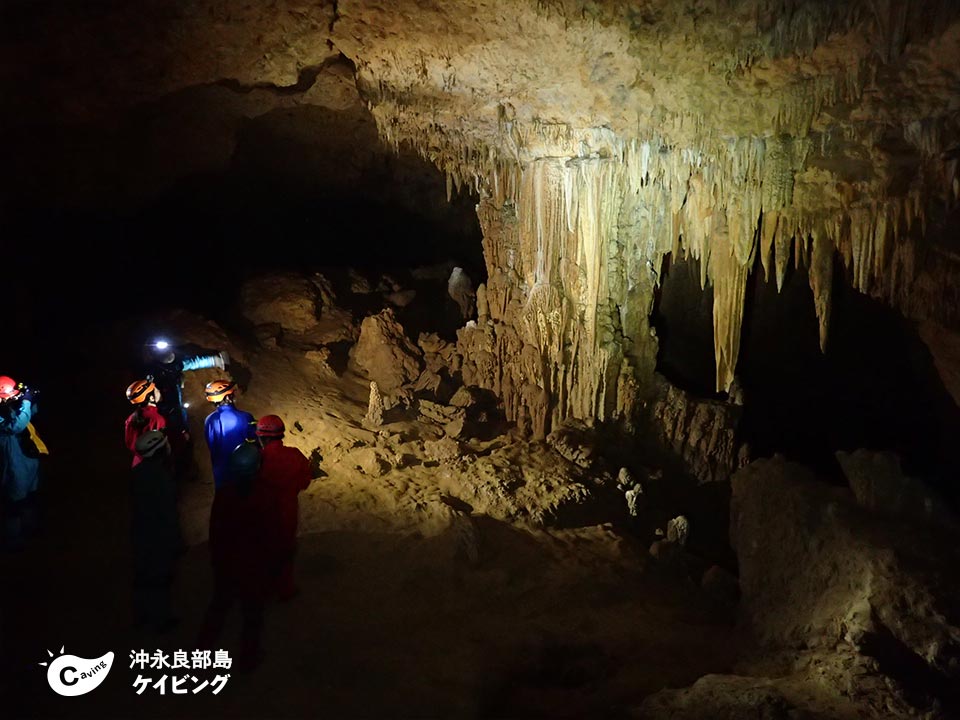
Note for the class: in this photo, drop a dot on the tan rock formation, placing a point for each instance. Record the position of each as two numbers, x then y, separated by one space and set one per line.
385 354
600 136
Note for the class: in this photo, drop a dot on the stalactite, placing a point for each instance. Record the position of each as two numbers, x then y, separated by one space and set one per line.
821 282
576 223
729 287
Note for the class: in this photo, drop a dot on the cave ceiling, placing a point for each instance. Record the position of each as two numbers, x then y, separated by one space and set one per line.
734 131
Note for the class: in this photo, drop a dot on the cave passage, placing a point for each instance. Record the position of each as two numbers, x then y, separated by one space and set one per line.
875 386
194 246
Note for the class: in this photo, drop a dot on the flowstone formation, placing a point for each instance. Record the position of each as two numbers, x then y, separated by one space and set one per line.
603 136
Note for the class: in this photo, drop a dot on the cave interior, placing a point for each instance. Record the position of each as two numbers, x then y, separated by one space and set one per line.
623 340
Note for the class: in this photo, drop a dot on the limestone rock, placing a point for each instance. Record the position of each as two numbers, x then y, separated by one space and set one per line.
461 290
722 697
384 354
439 356
285 299
441 450
573 442
320 359
701 432
625 480
303 308
369 461
678 530
440 414
634 498
436 386
868 588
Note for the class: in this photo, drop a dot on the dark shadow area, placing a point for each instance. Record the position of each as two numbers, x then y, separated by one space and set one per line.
683 318
922 684
875 387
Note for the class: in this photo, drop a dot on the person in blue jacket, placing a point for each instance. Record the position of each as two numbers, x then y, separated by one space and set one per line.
226 428
19 472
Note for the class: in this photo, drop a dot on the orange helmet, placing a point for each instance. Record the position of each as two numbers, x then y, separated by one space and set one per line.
217 390
8 388
139 391
270 426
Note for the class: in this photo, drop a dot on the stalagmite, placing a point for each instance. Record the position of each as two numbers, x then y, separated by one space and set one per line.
374 416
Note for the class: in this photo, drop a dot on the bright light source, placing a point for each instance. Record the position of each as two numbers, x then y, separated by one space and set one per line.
161 344
186 404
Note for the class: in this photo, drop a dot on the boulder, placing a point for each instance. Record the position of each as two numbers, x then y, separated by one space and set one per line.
820 572
289 300
384 354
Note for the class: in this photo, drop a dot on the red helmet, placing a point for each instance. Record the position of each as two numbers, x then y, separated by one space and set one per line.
218 390
270 426
8 388
139 391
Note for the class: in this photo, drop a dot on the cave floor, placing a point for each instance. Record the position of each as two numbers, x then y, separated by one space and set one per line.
556 623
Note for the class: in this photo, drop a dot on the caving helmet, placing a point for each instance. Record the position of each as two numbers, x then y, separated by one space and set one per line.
270 426
218 390
139 391
150 442
8 388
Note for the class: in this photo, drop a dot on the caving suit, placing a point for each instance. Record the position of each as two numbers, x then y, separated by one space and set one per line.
286 471
226 427
19 473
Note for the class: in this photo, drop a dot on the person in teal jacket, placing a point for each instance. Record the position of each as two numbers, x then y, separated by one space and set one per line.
19 471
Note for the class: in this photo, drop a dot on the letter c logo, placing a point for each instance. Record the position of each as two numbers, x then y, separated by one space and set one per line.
65 679
63 676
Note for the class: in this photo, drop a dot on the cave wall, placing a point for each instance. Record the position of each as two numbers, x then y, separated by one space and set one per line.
600 136
817 133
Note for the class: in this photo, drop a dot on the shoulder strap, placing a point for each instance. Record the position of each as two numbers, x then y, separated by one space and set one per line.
35 438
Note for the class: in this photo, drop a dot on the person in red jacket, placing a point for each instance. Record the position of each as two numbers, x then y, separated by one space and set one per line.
143 394
286 471
246 553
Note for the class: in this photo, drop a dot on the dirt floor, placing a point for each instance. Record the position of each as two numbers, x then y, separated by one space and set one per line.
572 622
